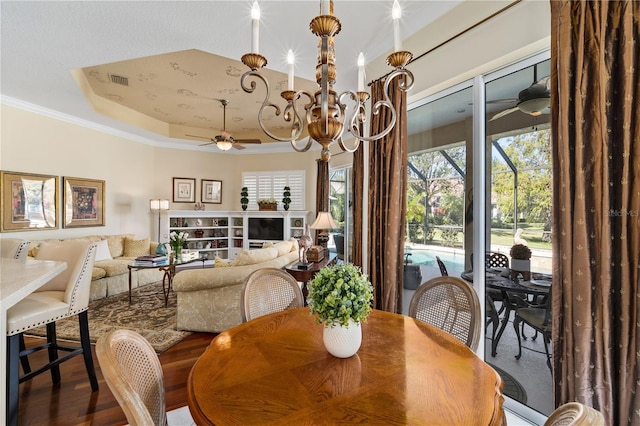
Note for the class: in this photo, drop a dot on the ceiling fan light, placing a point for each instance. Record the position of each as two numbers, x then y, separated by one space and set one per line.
224 145
534 106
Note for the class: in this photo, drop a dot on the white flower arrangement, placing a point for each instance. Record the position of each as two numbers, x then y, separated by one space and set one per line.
177 239
339 293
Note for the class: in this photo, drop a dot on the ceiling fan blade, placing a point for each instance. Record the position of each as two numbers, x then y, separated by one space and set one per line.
237 146
502 101
201 137
503 113
206 143
248 140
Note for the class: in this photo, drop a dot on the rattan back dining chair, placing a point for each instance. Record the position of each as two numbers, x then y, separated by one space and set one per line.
134 375
450 304
575 414
14 248
269 290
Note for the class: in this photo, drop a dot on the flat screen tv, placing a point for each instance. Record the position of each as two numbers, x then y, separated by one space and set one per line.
266 228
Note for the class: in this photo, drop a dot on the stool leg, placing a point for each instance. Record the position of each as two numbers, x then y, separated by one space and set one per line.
83 319
13 378
53 351
24 360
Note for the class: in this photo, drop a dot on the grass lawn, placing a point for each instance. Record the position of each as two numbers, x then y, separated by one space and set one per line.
502 236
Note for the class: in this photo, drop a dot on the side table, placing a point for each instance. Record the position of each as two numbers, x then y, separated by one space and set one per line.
306 275
169 269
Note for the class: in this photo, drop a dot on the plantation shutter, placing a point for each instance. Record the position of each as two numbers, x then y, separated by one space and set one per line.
271 185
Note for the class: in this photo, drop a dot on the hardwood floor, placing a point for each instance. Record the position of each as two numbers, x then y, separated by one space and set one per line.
71 402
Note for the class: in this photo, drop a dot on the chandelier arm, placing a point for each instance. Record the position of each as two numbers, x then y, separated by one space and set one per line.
344 147
359 117
294 145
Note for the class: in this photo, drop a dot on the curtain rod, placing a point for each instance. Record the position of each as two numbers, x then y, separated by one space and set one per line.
482 21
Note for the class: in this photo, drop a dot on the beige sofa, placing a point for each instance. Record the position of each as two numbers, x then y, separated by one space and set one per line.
110 273
209 299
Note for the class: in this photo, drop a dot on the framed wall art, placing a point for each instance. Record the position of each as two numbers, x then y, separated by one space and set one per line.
184 190
29 201
83 202
211 191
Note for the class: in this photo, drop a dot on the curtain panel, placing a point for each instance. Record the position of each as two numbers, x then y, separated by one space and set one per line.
387 200
357 201
595 110
322 191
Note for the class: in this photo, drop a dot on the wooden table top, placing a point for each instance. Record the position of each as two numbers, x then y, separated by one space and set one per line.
275 370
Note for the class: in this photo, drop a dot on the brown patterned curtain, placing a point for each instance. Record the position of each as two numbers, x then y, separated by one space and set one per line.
358 193
322 190
387 201
595 109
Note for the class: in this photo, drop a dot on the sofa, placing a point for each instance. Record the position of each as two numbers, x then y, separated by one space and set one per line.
110 274
208 300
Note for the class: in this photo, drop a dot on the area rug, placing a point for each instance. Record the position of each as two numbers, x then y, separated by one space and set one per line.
146 314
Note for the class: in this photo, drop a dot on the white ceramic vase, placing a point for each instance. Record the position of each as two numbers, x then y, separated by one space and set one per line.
343 342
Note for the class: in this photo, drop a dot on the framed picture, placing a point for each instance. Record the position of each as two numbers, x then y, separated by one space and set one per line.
184 190
83 202
29 201
211 191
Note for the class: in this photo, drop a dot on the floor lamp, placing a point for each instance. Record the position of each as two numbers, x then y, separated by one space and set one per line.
159 205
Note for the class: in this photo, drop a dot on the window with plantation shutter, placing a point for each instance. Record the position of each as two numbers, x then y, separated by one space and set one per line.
271 185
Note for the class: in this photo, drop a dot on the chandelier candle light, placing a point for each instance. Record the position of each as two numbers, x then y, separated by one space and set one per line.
325 112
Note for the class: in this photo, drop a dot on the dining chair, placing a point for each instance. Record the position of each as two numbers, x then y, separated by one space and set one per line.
269 290
64 296
450 304
14 248
537 317
575 414
134 375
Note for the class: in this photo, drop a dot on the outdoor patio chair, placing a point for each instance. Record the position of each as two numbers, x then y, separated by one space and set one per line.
450 304
269 290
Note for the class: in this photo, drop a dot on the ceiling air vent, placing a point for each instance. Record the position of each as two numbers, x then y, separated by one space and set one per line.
118 79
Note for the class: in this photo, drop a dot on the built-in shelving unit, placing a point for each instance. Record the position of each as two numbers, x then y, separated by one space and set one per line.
225 234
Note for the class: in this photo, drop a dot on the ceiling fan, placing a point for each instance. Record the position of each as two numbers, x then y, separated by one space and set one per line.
224 141
532 100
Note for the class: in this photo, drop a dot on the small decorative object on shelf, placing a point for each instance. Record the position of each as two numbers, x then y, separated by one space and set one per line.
199 233
268 204
244 197
286 197
340 296
177 241
520 261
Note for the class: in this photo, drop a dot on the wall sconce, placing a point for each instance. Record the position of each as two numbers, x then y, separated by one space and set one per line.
323 222
158 205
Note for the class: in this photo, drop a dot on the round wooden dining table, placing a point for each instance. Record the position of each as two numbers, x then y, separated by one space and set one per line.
275 370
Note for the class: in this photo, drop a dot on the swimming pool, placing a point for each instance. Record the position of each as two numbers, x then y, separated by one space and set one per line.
427 256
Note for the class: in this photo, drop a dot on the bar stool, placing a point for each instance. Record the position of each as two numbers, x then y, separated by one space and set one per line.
64 296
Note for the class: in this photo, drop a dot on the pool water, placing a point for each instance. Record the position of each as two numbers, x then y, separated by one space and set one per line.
453 261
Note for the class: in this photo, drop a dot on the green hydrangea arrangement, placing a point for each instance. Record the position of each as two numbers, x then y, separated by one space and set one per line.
339 293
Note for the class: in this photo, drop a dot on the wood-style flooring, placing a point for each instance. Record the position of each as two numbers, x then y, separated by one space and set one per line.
71 402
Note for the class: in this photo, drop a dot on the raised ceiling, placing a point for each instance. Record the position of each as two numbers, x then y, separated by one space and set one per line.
42 43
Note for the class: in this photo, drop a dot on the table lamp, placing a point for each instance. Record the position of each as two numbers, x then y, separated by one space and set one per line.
323 222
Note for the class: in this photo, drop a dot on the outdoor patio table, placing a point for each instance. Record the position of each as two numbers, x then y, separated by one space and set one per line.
275 370
514 293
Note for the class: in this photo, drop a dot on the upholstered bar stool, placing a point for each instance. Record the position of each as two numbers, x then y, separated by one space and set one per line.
14 248
64 296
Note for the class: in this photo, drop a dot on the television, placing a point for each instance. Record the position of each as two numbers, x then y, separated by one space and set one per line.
266 228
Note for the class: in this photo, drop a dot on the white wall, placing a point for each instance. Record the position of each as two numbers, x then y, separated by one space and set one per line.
134 172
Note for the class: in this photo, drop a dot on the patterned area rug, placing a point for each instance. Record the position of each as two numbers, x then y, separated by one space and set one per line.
146 315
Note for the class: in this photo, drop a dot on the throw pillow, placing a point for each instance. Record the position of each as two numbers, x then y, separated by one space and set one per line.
102 253
135 248
219 262
251 257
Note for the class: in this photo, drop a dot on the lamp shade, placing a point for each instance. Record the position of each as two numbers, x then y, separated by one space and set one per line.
324 221
158 204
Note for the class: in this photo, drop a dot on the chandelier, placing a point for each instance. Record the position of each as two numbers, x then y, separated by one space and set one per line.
325 111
